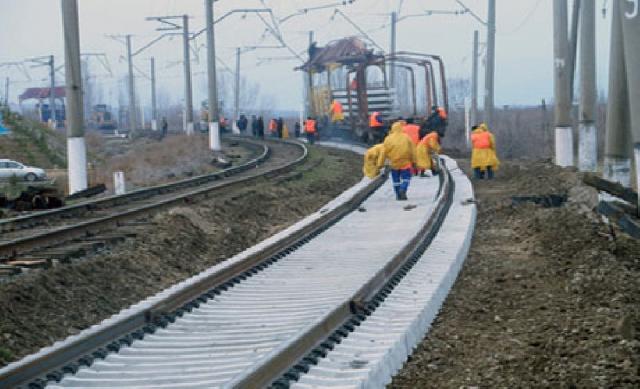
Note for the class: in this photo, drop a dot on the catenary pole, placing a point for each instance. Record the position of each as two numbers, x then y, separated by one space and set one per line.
392 50
573 45
188 98
214 127
587 133
630 17
490 67
563 131
132 92
154 109
236 96
52 93
474 81
76 148
617 154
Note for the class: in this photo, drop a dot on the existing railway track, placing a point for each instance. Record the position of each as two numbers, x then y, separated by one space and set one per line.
57 235
263 317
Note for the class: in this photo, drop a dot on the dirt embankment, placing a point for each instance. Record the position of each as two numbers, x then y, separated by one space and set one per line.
44 306
548 297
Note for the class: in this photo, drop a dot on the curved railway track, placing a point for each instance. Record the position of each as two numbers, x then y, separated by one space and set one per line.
60 234
262 318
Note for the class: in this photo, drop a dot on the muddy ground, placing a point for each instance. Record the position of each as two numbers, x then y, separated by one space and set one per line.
548 297
47 305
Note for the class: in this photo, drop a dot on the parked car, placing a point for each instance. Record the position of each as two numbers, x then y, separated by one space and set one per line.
9 168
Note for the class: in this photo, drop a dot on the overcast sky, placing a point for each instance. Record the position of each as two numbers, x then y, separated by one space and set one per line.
524 46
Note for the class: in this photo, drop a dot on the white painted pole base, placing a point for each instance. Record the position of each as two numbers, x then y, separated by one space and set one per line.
189 128
154 125
617 170
77 164
564 146
235 129
118 183
214 137
587 148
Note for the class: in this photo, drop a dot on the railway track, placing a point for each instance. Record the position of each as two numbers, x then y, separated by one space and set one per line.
41 239
270 314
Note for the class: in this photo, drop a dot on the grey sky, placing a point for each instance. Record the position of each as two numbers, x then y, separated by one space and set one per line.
524 48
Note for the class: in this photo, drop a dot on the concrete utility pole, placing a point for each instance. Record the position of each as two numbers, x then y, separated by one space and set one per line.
214 126
132 92
188 98
392 50
76 148
573 45
587 145
236 97
564 134
631 32
86 92
490 66
474 81
52 94
311 111
617 154
154 110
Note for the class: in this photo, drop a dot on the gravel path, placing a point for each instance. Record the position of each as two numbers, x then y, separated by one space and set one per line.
548 297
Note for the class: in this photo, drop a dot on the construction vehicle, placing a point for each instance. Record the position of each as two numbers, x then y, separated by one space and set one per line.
347 71
102 119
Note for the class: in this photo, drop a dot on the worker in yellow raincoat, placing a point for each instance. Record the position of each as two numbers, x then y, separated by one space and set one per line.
483 154
401 152
427 153
373 161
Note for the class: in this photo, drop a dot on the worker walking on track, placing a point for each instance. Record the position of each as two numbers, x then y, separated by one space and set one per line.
310 129
373 161
483 154
401 152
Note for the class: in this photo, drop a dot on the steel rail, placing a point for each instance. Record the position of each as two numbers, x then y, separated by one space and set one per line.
66 356
30 220
20 245
283 358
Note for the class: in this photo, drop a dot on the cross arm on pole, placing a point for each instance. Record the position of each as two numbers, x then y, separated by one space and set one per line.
473 14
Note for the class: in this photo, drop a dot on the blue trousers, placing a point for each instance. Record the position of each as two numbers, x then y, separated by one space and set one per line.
401 179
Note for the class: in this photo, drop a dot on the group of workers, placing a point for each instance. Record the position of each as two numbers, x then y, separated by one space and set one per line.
412 150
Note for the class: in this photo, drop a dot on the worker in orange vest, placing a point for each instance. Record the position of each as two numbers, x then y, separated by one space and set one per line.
273 127
412 130
483 153
376 126
310 129
337 114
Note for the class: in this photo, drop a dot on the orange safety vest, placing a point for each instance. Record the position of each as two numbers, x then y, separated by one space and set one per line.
273 125
481 140
413 132
373 120
310 126
336 107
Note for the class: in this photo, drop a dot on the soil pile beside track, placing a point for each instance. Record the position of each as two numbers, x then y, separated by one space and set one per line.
44 306
548 297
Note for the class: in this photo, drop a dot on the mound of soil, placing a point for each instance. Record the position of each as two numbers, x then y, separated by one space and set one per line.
548 297
44 306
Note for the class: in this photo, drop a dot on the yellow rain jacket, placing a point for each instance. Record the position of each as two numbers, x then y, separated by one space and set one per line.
398 148
285 131
483 153
373 161
426 150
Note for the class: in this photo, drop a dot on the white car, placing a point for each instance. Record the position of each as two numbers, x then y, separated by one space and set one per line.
9 168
